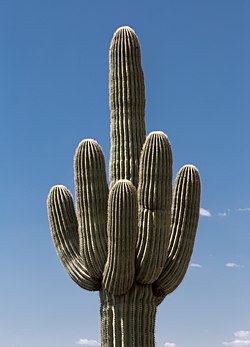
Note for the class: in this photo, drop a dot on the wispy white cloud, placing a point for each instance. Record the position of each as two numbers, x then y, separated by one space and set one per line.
233 265
242 334
204 212
237 343
242 339
170 344
222 214
87 342
196 265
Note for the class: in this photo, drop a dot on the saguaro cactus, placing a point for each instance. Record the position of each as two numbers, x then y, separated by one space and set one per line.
132 241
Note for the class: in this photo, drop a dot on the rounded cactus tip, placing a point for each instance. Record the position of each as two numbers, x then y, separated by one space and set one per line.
157 133
58 190
123 183
190 167
124 28
86 141
58 187
158 136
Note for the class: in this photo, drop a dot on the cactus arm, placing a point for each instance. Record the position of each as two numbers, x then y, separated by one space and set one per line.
91 190
185 216
63 225
119 271
154 197
127 106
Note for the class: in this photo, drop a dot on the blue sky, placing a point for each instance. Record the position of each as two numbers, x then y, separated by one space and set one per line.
54 93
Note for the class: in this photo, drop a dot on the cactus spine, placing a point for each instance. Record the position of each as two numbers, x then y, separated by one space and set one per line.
132 241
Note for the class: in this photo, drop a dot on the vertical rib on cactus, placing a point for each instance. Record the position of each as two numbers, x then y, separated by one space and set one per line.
185 216
63 225
133 243
127 106
128 320
154 197
118 275
91 205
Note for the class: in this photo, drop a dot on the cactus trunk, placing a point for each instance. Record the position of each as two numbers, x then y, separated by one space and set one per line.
128 320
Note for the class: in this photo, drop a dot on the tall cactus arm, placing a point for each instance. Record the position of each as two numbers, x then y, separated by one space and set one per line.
185 216
63 225
119 271
127 106
154 197
91 205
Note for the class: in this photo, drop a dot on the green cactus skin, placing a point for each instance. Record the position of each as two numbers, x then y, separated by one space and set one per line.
119 272
132 241
128 320
91 205
127 106
155 198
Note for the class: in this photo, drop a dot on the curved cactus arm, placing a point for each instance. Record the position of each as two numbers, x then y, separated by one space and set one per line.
154 197
127 106
185 216
63 225
118 276
91 205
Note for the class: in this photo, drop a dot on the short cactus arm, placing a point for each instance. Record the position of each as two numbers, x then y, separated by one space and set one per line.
91 205
185 216
155 197
122 226
63 225
127 106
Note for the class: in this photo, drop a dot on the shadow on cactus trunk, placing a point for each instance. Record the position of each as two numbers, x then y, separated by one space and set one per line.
132 241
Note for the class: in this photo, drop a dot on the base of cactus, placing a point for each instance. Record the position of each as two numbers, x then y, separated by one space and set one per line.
128 320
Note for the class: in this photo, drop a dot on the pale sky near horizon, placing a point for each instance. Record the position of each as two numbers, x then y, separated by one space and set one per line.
54 93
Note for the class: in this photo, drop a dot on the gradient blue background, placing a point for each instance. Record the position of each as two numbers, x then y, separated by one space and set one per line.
54 93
